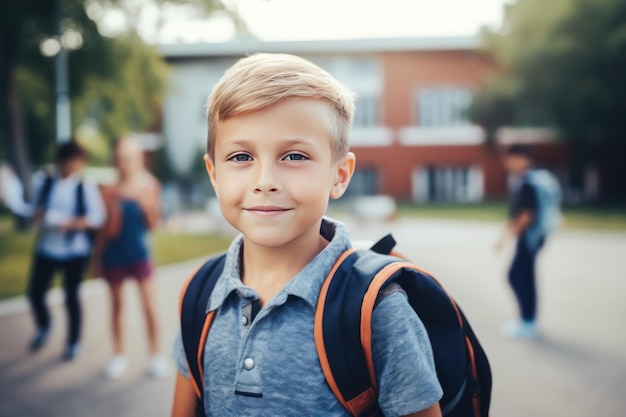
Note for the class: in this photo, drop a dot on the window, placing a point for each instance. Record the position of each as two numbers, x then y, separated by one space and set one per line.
362 74
363 182
366 112
442 106
459 184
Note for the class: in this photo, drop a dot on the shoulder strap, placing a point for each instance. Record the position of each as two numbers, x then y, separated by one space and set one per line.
343 328
441 317
81 202
195 322
338 330
80 210
44 194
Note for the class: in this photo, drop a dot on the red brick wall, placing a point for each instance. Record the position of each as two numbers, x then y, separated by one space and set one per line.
405 72
395 164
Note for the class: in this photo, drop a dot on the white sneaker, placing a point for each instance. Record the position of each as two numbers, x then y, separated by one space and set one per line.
117 367
159 367
521 330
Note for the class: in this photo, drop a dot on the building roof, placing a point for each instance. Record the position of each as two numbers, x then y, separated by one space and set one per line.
243 47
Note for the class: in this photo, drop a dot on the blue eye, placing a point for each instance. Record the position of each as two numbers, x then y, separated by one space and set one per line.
295 157
240 157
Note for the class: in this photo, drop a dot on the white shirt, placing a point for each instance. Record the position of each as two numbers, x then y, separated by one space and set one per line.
61 207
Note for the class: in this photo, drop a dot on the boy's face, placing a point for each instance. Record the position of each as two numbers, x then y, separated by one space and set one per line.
516 164
71 165
273 172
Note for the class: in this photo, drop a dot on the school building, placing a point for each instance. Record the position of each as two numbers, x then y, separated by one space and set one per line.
411 135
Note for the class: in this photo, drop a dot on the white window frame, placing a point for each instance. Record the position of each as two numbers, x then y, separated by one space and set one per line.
441 106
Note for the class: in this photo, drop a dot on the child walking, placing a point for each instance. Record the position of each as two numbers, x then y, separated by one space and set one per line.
67 206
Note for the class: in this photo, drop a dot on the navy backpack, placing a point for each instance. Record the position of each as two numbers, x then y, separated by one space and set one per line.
343 331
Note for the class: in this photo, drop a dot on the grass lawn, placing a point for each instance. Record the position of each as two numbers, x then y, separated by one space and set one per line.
490 211
15 253
579 217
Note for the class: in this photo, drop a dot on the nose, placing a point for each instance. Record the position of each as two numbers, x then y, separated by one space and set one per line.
267 180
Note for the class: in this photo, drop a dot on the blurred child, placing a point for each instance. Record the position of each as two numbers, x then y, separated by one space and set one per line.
277 152
534 214
122 251
66 207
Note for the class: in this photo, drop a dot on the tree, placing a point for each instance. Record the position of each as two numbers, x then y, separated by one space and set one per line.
562 65
116 81
128 98
22 24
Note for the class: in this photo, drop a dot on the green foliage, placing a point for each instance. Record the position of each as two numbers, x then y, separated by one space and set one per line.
162 166
15 258
561 65
117 83
37 94
129 98
24 26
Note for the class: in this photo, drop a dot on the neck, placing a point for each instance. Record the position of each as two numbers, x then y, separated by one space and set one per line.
130 176
66 174
268 269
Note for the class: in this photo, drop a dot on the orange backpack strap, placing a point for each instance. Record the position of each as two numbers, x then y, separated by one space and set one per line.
196 322
343 334
337 337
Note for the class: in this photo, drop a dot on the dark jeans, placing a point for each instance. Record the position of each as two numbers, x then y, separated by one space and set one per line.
40 280
522 278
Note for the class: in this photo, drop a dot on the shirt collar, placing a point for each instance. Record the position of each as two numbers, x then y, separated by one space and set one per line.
305 285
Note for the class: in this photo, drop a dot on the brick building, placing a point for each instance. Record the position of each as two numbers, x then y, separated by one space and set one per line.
410 134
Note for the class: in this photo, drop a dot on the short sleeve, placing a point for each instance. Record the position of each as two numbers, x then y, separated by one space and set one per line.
14 197
403 358
96 213
178 355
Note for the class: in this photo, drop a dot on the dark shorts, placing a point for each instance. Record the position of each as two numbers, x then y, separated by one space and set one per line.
117 274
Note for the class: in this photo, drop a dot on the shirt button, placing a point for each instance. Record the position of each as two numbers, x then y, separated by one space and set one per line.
248 363
244 320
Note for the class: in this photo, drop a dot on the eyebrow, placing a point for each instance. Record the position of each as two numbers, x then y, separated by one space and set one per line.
289 142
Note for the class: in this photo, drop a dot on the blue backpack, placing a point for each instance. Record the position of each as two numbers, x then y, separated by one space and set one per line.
548 216
343 331
549 198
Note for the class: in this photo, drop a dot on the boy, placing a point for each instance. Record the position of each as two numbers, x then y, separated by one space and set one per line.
66 207
277 151
534 211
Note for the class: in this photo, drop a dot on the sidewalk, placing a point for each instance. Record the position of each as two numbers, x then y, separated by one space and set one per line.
578 369
42 385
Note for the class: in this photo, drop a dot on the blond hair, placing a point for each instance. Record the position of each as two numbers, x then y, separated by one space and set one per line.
260 81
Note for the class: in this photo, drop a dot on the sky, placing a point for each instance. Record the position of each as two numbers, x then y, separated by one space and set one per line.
275 20
329 19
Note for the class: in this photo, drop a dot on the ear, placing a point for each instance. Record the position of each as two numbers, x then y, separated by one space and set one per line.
345 169
210 169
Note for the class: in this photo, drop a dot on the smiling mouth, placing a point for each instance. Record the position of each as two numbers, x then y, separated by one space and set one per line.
267 210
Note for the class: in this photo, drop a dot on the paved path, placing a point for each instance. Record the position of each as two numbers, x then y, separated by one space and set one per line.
578 369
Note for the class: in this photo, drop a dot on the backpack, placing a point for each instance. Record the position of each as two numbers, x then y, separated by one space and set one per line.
549 198
44 196
343 331
80 209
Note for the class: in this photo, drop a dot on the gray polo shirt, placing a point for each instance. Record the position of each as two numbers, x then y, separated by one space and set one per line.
267 364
